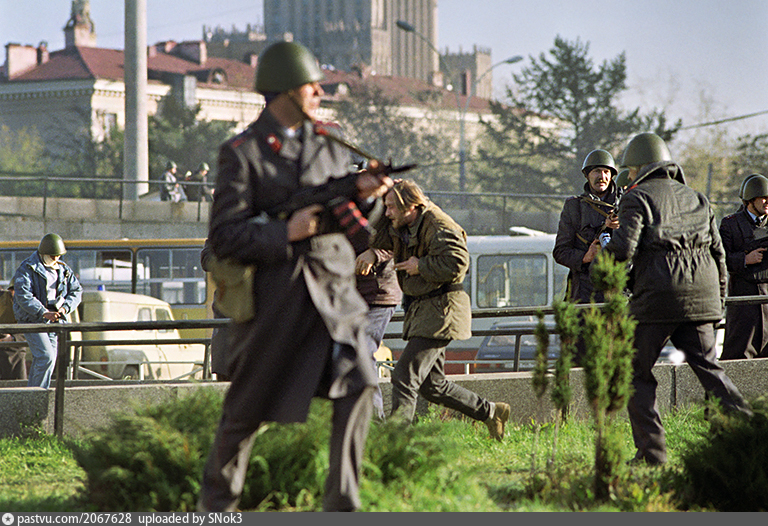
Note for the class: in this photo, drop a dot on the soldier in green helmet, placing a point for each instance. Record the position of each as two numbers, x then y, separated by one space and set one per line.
306 337
46 290
669 235
745 239
582 219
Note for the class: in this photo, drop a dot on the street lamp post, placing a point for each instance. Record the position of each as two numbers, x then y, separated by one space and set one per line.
405 26
463 116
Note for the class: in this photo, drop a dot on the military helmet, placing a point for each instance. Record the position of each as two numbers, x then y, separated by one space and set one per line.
52 245
598 158
203 166
755 185
645 148
170 165
622 180
284 66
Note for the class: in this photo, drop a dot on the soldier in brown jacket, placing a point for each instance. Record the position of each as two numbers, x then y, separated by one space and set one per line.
306 338
431 260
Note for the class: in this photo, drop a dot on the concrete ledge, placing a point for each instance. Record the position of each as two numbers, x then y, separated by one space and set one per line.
88 405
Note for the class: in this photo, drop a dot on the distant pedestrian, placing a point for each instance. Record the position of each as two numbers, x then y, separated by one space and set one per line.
170 189
199 190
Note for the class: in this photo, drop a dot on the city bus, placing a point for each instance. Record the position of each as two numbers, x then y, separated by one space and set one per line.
166 269
516 270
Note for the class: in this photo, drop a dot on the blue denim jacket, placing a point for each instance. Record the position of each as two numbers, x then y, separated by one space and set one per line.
29 283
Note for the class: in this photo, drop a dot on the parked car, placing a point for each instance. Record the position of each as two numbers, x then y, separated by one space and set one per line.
144 359
497 352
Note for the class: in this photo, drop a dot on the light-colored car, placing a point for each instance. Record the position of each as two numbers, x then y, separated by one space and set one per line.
144 359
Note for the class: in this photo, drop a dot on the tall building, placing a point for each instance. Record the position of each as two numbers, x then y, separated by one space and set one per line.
345 33
465 70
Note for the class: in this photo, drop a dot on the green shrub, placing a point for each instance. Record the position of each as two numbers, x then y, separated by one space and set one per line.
289 463
727 468
151 460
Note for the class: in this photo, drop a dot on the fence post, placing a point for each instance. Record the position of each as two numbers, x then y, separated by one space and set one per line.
62 363
45 196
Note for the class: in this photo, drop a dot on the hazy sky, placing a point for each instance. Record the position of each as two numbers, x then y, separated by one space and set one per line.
678 52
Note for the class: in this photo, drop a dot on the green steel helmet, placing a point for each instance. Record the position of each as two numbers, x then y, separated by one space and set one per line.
170 165
755 185
203 167
622 180
598 158
284 66
52 245
645 148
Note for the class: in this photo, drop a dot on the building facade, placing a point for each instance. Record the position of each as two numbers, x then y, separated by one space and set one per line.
83 85
346 33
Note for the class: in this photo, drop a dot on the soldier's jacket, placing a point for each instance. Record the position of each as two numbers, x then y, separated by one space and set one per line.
580 221
441 246
668 232
284 356
738 232
746 326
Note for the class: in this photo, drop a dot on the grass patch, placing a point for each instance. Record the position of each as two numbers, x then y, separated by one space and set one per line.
443 463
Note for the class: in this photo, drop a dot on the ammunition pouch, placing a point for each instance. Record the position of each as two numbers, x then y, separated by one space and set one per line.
234 289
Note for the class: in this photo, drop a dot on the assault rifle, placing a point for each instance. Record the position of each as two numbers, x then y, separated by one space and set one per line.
759 271
605 209
337 196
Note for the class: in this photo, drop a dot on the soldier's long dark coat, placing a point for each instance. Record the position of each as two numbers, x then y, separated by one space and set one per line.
305 292
746 326
580 221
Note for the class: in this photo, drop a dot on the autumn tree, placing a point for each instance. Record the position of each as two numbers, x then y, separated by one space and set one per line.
563 107
377 124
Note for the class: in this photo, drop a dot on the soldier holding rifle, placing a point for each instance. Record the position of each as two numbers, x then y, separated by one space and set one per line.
306 337
745 239
583 219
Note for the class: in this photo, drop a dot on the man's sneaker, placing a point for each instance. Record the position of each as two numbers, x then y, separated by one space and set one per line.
496 423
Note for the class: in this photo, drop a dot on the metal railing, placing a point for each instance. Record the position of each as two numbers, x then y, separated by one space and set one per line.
65 342
46 181
64 331
519 332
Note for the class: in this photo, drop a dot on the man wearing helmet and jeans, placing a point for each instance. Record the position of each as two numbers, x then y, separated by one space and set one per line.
307 336
668 233
745 238
46 290
583 218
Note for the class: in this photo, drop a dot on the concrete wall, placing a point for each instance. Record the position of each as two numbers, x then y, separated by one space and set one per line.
29 218
88 406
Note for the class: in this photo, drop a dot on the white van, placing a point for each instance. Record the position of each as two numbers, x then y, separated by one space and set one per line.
505 272
143 359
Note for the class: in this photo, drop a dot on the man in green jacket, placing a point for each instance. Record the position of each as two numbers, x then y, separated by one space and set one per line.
431 260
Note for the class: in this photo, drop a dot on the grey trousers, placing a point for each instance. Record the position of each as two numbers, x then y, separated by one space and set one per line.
421 370
227 464
697 341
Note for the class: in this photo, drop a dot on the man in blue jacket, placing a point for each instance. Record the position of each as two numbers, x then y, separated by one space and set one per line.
46 290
